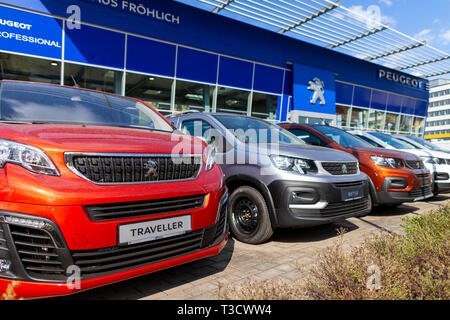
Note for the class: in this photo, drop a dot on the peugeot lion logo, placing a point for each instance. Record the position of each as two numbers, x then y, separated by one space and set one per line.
152 168
317 86
344 168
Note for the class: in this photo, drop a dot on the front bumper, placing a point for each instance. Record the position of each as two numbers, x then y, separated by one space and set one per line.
441 177
423 189
323 202
44 265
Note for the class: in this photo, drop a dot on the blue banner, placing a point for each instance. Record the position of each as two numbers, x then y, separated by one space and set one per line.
314 90
30 33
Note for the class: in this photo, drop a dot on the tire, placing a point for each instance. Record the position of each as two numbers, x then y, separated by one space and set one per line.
248 216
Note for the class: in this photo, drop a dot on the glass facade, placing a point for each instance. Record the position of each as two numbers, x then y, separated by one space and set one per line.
391 123
16 67
155 91
372 109
342 113
193 96
376 120
359 118
169 95
264 106
231 100
93 78
175 77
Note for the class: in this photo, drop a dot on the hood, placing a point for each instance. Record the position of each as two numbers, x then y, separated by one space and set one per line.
386 153
302 151
430 153
79 138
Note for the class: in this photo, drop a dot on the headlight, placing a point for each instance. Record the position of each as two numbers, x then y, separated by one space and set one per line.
210 158
387 162
433 160
301 166
29 157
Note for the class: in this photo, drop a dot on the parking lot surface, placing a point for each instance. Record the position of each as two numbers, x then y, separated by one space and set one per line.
278 258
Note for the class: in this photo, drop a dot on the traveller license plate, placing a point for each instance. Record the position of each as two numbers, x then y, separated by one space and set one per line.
154 229
352 194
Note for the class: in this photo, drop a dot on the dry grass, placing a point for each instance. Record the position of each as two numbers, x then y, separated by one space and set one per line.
10 293
412 266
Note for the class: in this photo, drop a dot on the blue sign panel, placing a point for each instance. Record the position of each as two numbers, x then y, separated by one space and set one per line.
344 93
314 90
189 62
144 55
95 46
268 79
230 68
29 33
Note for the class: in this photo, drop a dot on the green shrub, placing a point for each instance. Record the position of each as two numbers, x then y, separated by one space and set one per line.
410 266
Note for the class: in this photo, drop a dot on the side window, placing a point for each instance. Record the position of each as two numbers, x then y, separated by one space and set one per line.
202 129
369 141
308 137
197 128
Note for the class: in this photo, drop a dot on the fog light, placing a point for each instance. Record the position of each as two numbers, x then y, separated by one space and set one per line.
304 197
25 222
4 265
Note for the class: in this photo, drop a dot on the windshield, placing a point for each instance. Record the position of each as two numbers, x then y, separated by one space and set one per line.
426 144
341 137
40 103
397 144
250 130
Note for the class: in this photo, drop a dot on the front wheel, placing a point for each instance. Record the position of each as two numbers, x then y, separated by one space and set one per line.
249 216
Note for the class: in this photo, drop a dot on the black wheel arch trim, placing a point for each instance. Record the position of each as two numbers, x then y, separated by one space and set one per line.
262 188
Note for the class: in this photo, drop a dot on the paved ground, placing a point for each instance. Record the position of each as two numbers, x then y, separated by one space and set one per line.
278 258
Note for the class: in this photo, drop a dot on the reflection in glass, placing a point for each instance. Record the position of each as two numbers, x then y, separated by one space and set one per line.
93 78
418 126
405 123
264 106
376 120
193 96
341 116
14 67
232 100
359 118
152 90
391 122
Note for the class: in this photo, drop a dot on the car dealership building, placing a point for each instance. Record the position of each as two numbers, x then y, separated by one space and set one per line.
177 57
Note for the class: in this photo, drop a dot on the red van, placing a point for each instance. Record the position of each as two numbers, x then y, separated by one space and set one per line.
96 189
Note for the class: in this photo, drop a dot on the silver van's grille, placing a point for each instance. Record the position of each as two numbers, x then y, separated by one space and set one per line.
134 168
340 168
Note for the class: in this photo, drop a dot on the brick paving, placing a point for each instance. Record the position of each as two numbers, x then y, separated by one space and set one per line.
238 262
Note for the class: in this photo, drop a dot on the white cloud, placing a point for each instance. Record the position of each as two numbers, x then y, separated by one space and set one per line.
444 37
425 35
371 16
436 21
386 2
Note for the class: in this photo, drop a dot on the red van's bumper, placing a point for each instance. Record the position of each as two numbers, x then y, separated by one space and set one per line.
29 290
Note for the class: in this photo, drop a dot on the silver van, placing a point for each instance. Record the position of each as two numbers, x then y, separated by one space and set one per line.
275 179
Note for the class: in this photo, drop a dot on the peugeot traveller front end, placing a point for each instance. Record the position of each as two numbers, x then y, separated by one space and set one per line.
94 191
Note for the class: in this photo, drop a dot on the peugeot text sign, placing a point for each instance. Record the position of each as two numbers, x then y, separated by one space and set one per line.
401 78
140 9
314 90
29 33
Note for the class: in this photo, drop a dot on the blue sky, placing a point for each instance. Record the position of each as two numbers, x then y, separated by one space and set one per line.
423 19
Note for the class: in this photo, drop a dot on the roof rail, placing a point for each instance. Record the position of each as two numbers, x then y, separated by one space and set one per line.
180 113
